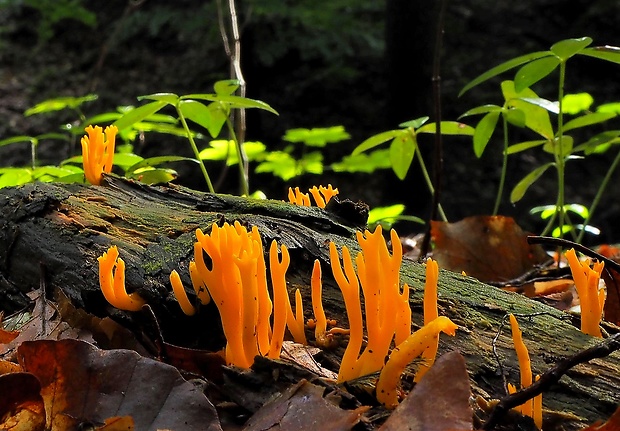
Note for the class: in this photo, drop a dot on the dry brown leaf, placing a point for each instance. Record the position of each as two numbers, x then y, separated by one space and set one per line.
303 408
21 405
7 367
202 362
439 402
80 383
489 248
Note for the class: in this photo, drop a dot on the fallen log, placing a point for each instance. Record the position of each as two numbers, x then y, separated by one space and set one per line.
63 228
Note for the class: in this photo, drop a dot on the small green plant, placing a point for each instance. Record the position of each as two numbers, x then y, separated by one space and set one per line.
404 145
212 117
524 108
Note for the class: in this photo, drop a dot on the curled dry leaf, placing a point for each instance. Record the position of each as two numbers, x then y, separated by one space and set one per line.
82 383
489 248
21 404
302 407
439 402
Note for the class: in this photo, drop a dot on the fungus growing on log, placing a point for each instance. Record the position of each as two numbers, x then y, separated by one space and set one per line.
321 195
97 152
112 282
533 407
237 283
591 298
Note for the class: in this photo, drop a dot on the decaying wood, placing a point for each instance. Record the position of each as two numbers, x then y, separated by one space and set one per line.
63 228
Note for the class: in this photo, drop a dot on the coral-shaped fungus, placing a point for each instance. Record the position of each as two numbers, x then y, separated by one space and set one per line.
533 407
98 152
112 282
388 316
591 298
237 283
321 195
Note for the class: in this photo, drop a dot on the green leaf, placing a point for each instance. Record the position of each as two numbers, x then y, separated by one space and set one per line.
588 120
547 105
311 163
168 98
510 64
219 116
402 150
48 174
155 161
14 177
125 160
17 139
198 112
232 101
536 118
553 147
226 87
59 103
377 139
385 213
225 150
448 128
72 178
519 190
280 164
576 103
418 122
600 143
545 211
607 53
364 162
534 71
168 129
515 116
483 132
522 146
317 137
609 107
565 49
484 109
138 114
578 209
154 176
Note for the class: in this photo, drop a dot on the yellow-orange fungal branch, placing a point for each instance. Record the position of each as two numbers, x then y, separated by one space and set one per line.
379 275
533 407
328 192
180 295
404 353
280 297
430 314
318 198
592 300
298 198
321 195
537 408
349 286
320 326
112 282
98 152
198 284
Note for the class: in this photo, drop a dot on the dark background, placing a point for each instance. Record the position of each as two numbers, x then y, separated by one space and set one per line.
364 64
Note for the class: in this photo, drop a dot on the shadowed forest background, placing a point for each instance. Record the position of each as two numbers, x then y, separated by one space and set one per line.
363 64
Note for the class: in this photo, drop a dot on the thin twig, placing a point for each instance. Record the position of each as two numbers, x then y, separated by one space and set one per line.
438 150
609 264
551 377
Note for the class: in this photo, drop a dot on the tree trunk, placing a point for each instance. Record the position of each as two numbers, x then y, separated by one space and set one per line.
63 228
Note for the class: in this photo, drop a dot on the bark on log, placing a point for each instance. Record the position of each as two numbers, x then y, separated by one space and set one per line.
63 228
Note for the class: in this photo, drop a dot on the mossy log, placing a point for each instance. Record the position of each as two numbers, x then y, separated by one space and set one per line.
55 232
